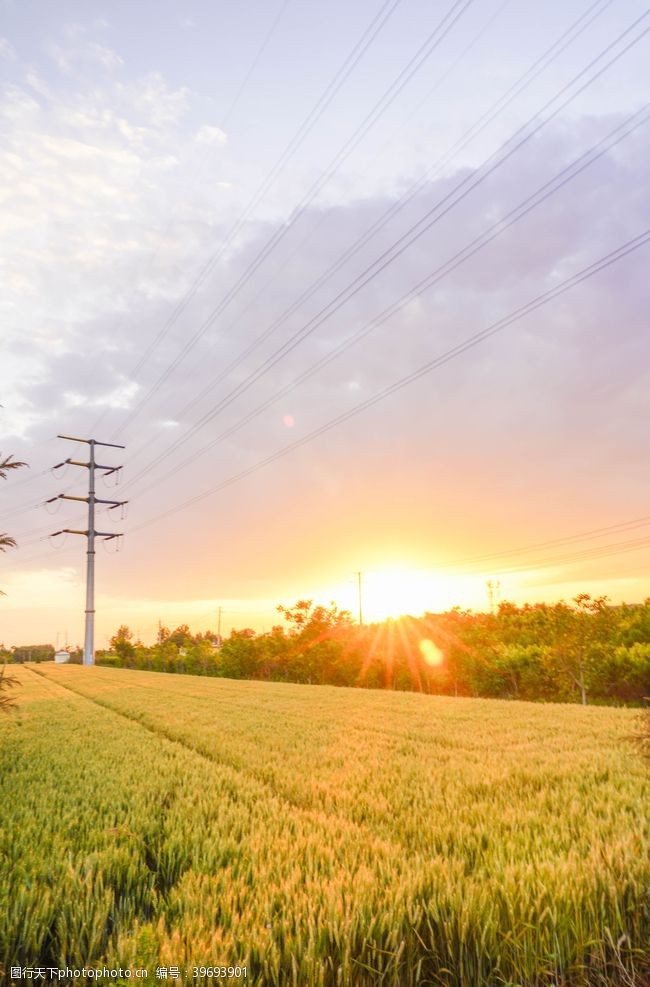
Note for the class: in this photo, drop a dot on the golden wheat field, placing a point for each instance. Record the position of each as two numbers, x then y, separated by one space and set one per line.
312 836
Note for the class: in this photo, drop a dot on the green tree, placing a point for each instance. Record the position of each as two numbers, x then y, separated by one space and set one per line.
583 636
317 642
634 623
624 674
122 644
181 637
273 649
163 634
238 658
33 652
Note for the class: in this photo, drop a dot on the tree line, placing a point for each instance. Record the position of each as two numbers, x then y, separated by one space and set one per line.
587 650
584 651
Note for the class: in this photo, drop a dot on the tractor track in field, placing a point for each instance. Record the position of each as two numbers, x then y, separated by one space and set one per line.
310 812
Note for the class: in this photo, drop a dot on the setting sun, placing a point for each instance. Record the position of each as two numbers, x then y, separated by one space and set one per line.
397 591
400 590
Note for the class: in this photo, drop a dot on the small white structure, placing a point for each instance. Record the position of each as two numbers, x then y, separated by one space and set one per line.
61 657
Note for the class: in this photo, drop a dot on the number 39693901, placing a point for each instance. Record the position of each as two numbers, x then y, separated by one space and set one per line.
219 972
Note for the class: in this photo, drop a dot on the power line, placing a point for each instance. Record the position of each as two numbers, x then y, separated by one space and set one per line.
256 60
430 45
307 125
570 35
479 242
549 543
411 236
432 216
512 92
587 158
222 123
549 188
595 552
470 342
567 37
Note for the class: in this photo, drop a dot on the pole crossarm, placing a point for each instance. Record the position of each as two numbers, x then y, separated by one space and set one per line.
93 442
91 533
106 535
98 500
98 466
51 500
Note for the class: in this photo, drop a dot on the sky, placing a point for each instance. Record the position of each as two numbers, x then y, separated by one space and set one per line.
360 288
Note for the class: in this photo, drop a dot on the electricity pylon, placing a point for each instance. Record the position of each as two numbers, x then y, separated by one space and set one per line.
91 533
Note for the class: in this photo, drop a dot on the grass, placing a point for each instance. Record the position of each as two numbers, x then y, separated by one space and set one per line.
320 836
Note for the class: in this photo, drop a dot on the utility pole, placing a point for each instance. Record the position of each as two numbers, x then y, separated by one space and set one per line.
493 588
359 575
91 533
219 623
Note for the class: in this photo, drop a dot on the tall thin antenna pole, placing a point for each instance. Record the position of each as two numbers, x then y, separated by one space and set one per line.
91 533
493 588
359 575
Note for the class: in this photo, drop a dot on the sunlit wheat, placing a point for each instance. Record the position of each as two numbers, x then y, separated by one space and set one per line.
321 836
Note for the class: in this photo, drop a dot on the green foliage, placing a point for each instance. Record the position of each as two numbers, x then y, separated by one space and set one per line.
238 658
586 651
109 659
181 637
316 645
33 652
122 644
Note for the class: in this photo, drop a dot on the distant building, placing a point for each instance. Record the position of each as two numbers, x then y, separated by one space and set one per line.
61 657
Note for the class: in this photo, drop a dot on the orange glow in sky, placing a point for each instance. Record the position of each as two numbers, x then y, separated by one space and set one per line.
349 362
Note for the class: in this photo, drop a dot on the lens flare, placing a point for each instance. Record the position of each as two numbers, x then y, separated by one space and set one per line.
431 652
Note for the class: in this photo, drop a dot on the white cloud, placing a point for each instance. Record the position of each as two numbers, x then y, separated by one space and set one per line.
52 588
78 52
211 135
158 103
88 188
105 56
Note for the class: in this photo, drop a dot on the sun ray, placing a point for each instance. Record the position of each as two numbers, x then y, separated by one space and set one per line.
409 651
